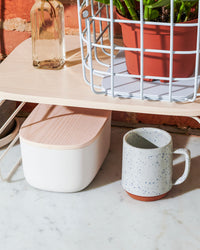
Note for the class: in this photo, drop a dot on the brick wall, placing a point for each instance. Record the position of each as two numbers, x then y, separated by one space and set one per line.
15 27
15 21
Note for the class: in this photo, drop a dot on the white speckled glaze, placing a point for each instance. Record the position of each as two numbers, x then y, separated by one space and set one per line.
147 162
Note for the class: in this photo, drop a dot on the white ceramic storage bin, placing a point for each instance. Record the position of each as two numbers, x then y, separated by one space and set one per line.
63 147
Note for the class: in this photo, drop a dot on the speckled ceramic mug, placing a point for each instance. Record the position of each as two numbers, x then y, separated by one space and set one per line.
147 163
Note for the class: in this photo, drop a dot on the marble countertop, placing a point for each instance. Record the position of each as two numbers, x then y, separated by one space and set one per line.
103 216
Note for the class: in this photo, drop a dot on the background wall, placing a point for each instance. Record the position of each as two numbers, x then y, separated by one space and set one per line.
15 22
15 27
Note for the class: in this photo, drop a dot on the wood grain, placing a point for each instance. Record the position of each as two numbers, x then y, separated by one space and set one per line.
63 126
20 81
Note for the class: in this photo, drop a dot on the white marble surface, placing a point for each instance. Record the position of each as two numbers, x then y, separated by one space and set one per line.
103 216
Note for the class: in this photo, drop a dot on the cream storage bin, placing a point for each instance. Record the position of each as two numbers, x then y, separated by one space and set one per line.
63 147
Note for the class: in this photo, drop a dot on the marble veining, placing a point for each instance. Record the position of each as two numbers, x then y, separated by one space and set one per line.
102 216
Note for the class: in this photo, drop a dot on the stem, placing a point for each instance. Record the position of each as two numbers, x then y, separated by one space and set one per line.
180 12
147 10
150 9
146 13
188 11
120 7
131 9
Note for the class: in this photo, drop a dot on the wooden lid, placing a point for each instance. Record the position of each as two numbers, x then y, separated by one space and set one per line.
63 127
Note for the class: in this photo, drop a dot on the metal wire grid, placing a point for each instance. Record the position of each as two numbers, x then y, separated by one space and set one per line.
95 41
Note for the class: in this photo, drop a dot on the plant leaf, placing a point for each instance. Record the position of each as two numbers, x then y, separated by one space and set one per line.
159 3
155 14
104 1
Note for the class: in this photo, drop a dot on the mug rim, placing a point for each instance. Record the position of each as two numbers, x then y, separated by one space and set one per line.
147 128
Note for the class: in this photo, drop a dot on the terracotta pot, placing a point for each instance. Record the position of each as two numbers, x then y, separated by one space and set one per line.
158 37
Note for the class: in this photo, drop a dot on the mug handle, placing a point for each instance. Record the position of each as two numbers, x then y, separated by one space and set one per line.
187 155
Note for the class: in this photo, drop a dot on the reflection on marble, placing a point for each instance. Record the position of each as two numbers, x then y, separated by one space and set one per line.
103 216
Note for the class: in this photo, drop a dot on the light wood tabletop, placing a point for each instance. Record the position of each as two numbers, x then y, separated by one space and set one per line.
20 81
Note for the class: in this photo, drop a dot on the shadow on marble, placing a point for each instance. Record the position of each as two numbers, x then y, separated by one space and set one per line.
179 141
112 167
191 183
17 180
109 172
11 164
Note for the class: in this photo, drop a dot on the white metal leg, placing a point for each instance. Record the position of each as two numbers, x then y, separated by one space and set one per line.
12 117
7 178
12 171
2 101
196 119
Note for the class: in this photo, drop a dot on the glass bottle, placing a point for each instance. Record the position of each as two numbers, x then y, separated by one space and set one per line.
47 24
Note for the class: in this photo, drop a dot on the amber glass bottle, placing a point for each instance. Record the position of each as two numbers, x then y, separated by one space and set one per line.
47 23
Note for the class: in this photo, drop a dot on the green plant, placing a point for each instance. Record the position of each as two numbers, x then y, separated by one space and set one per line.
157 10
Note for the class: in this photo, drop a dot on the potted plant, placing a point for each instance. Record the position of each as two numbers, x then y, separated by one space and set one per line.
158 36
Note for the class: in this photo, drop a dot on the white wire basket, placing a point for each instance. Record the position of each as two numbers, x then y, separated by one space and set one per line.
104 61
